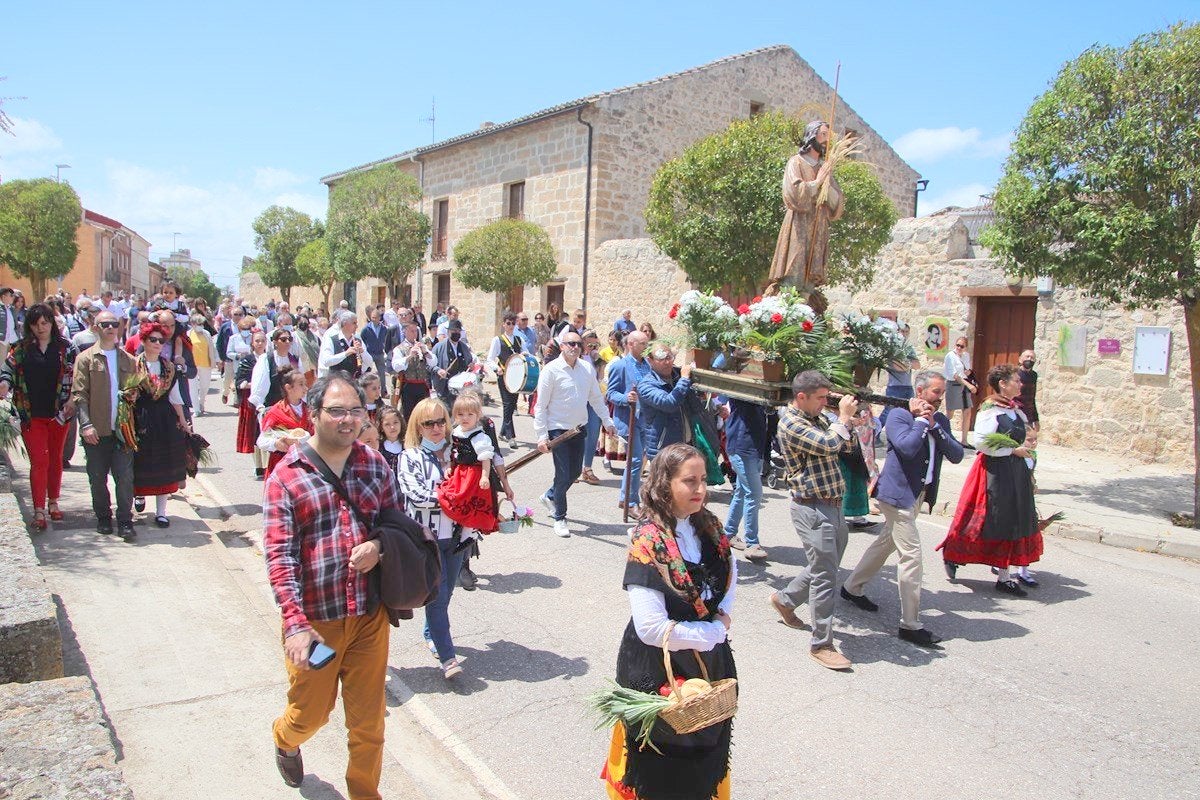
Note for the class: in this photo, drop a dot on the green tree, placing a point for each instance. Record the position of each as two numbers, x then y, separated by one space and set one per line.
503 255
375 227
279 233
316 267
196 283
38 219
1100 191
717 209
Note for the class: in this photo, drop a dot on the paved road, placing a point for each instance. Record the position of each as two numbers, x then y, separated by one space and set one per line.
1085 689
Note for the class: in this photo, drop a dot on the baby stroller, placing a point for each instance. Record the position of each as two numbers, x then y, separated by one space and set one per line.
774 471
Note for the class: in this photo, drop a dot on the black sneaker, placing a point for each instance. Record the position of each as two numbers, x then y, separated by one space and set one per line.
126 531
104 527
862 601
921 638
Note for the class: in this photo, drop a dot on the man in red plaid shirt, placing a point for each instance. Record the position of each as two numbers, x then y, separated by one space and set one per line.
318 555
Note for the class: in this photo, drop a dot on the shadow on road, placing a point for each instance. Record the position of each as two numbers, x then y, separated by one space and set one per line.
517 582
1159 495
314 788
499 661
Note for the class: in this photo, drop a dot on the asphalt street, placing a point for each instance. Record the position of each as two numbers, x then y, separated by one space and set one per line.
1084 689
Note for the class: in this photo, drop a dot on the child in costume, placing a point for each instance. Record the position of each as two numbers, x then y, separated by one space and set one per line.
468 494
391 430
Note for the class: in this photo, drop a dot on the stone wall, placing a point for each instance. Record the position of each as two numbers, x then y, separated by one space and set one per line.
1101 406
637 129
638 276
254 292
30 643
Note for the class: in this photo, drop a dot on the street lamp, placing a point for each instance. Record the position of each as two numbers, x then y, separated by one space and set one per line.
58 168
174 241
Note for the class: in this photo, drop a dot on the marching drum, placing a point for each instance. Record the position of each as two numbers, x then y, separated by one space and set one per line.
521 373
461 381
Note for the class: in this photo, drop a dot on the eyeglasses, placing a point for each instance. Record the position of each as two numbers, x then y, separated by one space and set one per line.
593 347
572 344
108 324
155 339
342 413
283 339
960 347
540 318
434 423
509 322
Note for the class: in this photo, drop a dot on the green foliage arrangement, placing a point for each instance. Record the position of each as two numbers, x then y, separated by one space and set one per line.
717 209
504 254
375 227
38 219
316 268
1100 190
279 234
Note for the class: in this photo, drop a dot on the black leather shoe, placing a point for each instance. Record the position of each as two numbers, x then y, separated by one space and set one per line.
467 579
127 532
951 569
862 601
921 638
104 527
291 768
162 522
139 504
1011 587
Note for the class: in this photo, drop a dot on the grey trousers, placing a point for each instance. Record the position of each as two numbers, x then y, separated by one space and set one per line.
105 458
822 530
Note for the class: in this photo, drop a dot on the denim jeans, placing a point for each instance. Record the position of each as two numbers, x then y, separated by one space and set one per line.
568 463
591 437
747 496
437 613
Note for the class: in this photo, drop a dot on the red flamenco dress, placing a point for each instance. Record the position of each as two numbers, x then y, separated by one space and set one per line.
996 522
247 429
282 418
459 494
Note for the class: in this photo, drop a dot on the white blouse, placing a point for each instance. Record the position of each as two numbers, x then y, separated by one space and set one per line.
649 606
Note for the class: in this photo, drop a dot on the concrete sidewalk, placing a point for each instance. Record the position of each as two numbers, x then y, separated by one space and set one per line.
1106 499
180 635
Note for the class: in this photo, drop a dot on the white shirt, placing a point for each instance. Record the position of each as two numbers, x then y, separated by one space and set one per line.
260 377
480 442
238 345
328 358
564 394
406 348
113 389
956 365
649 606
10 330
493 356
928 433
390 318
443 330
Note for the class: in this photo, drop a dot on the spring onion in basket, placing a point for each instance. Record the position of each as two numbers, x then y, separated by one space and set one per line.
636 710
995 441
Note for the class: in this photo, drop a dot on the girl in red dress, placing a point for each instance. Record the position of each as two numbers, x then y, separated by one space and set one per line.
286 417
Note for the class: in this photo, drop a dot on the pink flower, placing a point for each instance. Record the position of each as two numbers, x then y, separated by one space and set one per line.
807 325
743 309
757 299
674 312
777 318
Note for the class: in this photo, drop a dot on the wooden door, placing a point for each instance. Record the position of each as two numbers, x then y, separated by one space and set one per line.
443 289
554 296
1004 327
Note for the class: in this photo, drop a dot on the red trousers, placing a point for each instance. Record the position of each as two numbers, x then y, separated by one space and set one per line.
44 440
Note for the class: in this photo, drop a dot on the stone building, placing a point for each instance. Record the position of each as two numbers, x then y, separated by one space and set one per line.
583 170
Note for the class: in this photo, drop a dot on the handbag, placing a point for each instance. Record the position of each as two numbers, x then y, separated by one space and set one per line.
410 566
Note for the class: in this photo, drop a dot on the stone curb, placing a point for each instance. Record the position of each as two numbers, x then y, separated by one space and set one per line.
30 641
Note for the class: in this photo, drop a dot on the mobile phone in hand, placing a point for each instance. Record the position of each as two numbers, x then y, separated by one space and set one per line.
319 655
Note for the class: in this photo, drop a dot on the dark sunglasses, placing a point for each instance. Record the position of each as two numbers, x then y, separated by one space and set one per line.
283 339
109 324
572 344
434 423
155 339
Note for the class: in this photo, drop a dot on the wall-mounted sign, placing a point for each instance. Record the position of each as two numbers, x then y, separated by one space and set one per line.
936 337
1108 347
1072 346
1151 350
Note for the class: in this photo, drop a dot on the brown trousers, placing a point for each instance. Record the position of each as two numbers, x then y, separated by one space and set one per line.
360 665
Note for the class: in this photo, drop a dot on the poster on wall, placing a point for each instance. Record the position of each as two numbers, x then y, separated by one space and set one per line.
936 337
1151 350
1072 346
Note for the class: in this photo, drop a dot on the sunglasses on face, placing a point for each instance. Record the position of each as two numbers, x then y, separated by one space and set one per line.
572 344
434 423
108 325
155 340
284 339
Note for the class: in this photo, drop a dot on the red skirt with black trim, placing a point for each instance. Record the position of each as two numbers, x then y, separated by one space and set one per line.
463 501
247 430
974 539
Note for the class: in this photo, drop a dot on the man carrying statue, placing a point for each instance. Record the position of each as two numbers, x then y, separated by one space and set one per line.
813 199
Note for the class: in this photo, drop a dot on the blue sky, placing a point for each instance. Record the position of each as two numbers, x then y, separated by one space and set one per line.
194 117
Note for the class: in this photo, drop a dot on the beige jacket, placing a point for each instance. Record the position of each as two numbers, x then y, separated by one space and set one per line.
92 388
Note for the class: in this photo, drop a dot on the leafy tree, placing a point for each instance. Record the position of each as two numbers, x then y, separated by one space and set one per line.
505 254
38 219
717 209
1100 190
279 233
195 283
375 228
316 267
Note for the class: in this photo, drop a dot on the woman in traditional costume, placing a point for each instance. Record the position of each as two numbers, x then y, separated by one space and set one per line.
680 572
860 469
996 522
248 427
154 406
287 422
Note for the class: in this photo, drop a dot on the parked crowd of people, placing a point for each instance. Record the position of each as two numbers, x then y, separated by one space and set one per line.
394 410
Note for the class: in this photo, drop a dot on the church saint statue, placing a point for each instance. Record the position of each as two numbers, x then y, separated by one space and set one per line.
800 251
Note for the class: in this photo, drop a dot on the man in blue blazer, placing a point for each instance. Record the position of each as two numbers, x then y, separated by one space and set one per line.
374 335
918 438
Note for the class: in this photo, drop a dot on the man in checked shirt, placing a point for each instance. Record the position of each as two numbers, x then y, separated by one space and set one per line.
318 556
810 444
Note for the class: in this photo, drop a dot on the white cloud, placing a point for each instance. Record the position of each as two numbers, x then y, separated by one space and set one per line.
929 145
964 196
28 136
272 179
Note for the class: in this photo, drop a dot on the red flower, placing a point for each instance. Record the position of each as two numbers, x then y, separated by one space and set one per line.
757 299
674 312
807 325
777 318
743 309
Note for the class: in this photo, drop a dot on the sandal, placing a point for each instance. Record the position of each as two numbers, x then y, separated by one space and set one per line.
55 514
589 477
39 520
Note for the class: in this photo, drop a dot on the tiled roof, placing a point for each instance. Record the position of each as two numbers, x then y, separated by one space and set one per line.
545 113
100 219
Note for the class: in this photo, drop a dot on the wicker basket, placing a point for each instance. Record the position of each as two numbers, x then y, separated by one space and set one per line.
509 524
699 711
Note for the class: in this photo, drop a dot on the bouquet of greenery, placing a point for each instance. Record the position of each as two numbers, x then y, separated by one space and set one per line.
763 317
874 344
10 428
709 321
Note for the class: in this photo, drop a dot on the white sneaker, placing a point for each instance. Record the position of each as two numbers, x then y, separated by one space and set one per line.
560 527
547 503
